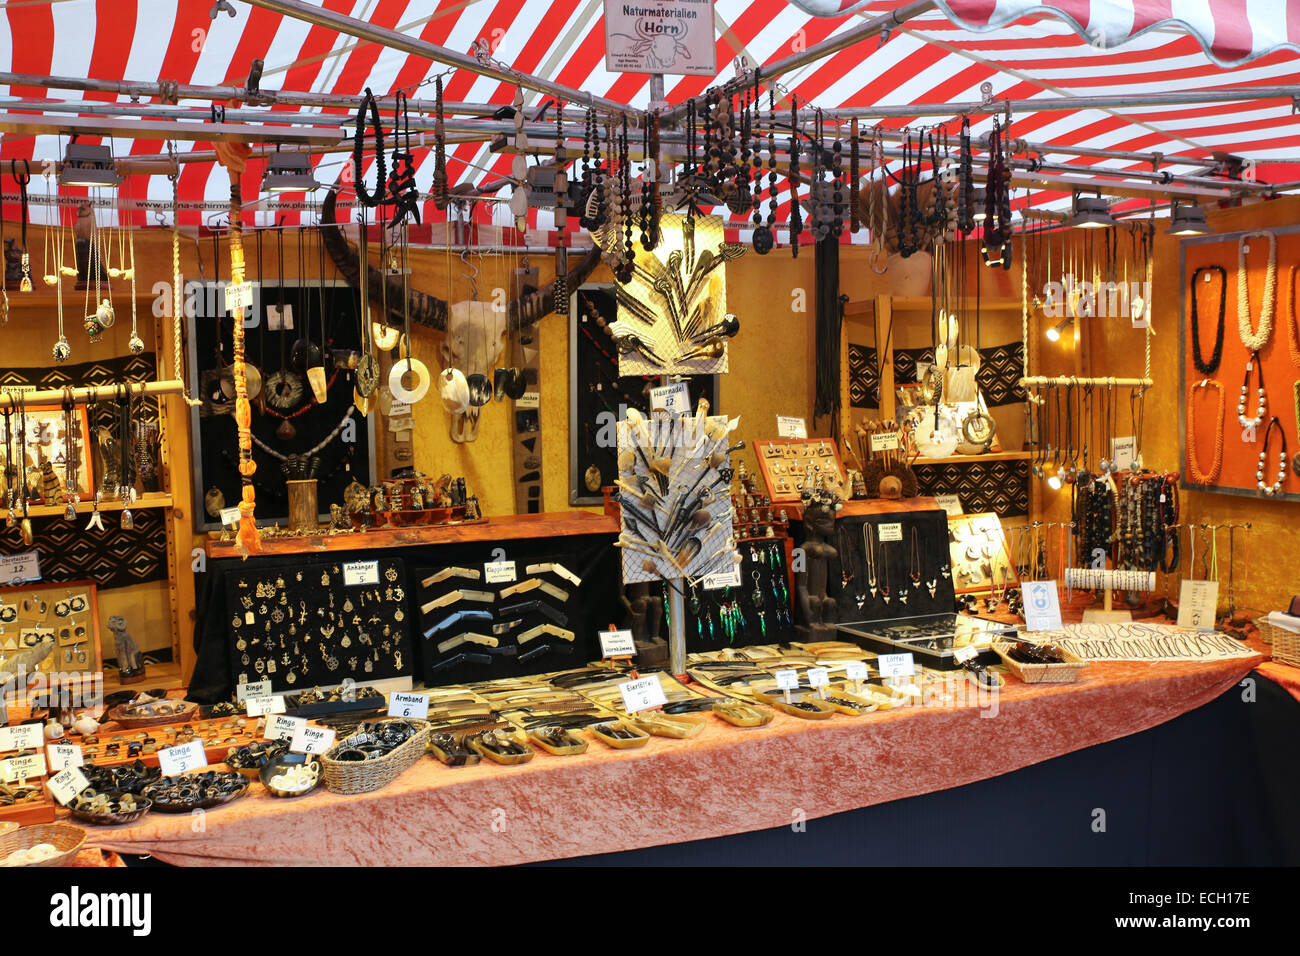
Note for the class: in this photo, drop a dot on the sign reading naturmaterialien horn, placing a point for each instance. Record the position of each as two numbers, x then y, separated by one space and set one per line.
660 36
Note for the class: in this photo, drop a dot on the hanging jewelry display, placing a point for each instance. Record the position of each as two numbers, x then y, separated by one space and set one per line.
594 177
997 200
61 351
1194 470
135 344
102 316
1261 399
24 489
651 204
877 204
559 285
125 482
22 179
441 190
1282 461
1212 366
855 194
764 231
1256 339
71 457
367 373
966 182
796 217
402 188
364 195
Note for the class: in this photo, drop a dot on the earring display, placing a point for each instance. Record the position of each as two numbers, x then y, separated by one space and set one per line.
757 611
791 466
978 554
67 614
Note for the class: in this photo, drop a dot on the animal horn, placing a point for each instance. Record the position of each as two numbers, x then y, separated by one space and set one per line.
426 310
528 309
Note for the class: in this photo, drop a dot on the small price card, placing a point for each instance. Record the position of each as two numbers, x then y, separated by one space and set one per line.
257 688
672 398
499 572
1198 603
818 677
896 665
786 679
891 532
21 737
17 769
407 704
261 706
280 727
311 740
62 756
963 654
1042 606
183 759
616 644
787 427
884 441
359 573
723 579
644 693
855 670
66 784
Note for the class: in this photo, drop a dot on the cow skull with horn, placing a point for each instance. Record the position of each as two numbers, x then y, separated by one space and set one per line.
473 331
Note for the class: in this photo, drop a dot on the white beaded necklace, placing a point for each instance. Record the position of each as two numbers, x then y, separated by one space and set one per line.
1256 340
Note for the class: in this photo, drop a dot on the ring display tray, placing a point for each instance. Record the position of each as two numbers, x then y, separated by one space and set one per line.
933 639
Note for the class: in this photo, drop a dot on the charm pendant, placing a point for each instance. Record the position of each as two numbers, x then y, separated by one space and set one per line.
933 586
946 571
902 596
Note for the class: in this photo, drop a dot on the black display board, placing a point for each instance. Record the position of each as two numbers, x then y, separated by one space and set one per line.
763 575
347 456
595 388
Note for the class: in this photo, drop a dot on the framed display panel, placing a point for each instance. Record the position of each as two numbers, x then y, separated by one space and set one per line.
268 347
596 388
979 556
783 463
46 439
1240 458
67 612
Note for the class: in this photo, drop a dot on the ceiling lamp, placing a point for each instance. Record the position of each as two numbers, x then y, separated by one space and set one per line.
288 173
1188 220
1091 213
977 200
90 166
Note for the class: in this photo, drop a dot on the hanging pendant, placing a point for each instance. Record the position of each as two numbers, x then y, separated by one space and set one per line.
135 345
933 586
286 431
128 521
62 351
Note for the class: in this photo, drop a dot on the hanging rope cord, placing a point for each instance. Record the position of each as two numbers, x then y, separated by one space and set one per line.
178 303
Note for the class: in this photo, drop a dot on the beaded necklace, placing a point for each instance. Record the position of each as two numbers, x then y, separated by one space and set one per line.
1197 475
1261 398
796 215
1293 333
1257 339
1276 487
1202 366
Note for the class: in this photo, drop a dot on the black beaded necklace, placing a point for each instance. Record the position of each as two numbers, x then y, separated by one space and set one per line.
364 196
441 191
855 173
796 216
1202 366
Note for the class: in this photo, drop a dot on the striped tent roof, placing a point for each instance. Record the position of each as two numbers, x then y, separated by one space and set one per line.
1022 50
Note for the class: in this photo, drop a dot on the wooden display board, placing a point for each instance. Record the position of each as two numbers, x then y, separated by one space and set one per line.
978 548
1240 457
783 461
67 611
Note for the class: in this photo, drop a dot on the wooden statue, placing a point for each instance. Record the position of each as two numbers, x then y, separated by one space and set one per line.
129 662
818 612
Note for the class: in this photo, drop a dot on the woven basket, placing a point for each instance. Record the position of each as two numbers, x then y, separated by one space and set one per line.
65 838
365 776
1042 673
1286 646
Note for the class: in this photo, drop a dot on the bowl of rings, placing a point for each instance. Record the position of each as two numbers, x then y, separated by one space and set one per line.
291 775
196 791
108 809
249 759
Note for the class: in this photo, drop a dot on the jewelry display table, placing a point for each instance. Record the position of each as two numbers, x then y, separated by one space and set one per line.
724 781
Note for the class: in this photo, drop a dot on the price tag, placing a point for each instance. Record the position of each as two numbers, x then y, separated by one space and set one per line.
183 759
950 503
672 398
239 297
1042 607
884 441
1122 451
896 665
261 706
1198 603
63 756
499 572
18 568
405 423
357 573
22 768
279 318
786 679
963 654
405 704
890 532
230 516
67 784
311 740
818 677
787 427
642 694
529 400
399 410
257 688
723 579
855 670
616 644
280 727
21 737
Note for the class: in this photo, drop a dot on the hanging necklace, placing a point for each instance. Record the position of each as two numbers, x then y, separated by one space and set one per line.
69 458
1261 399
1202 366
1293 332
364 196
884 573
1198 476
855 173
796 215
1256 340
22 179
850 572
1276 487
869 551
1295 389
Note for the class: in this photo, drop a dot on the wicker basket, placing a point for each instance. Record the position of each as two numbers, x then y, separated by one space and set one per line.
1286 646
365 776
66 839
1042 673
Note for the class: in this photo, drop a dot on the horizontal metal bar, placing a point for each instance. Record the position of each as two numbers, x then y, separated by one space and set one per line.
28 125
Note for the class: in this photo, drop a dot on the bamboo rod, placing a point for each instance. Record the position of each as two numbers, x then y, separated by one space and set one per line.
1036 381
10 398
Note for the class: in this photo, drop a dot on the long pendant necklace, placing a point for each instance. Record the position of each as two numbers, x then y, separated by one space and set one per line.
1198 476
1263 460
850 572
1293 332
1202 366
1257 339
869 550
883 562
1261 399
1295 389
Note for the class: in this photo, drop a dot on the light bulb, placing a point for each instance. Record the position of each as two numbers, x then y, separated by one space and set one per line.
1055 482
1054 334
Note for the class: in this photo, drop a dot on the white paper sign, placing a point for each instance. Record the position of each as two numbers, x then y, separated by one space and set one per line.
62 756
1042 608
357 573
311 740
616 644
642 694
279 318
21 737
674 398
660 36
404 423
949 503
723 579
230 516
1122 451
261 706
896 665
499 572
787 427
67 784
786 679
182 759
257 688
884 441
529 400
399 410
20 568
17 769
963 654
855 670
890 532
406 704
280 727
818 677
239 297
1198 603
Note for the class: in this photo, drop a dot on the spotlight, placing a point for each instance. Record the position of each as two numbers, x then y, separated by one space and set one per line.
977 200
1054 482
90 166
288 173
1054 333
1091 213
1188 220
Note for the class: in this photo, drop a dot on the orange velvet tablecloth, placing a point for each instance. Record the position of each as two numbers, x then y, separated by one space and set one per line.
725 780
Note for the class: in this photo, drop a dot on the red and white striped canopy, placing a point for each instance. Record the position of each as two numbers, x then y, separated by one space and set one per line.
1022 49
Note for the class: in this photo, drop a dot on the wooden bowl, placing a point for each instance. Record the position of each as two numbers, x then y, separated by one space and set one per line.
640 740
740 714
274 766
113 819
